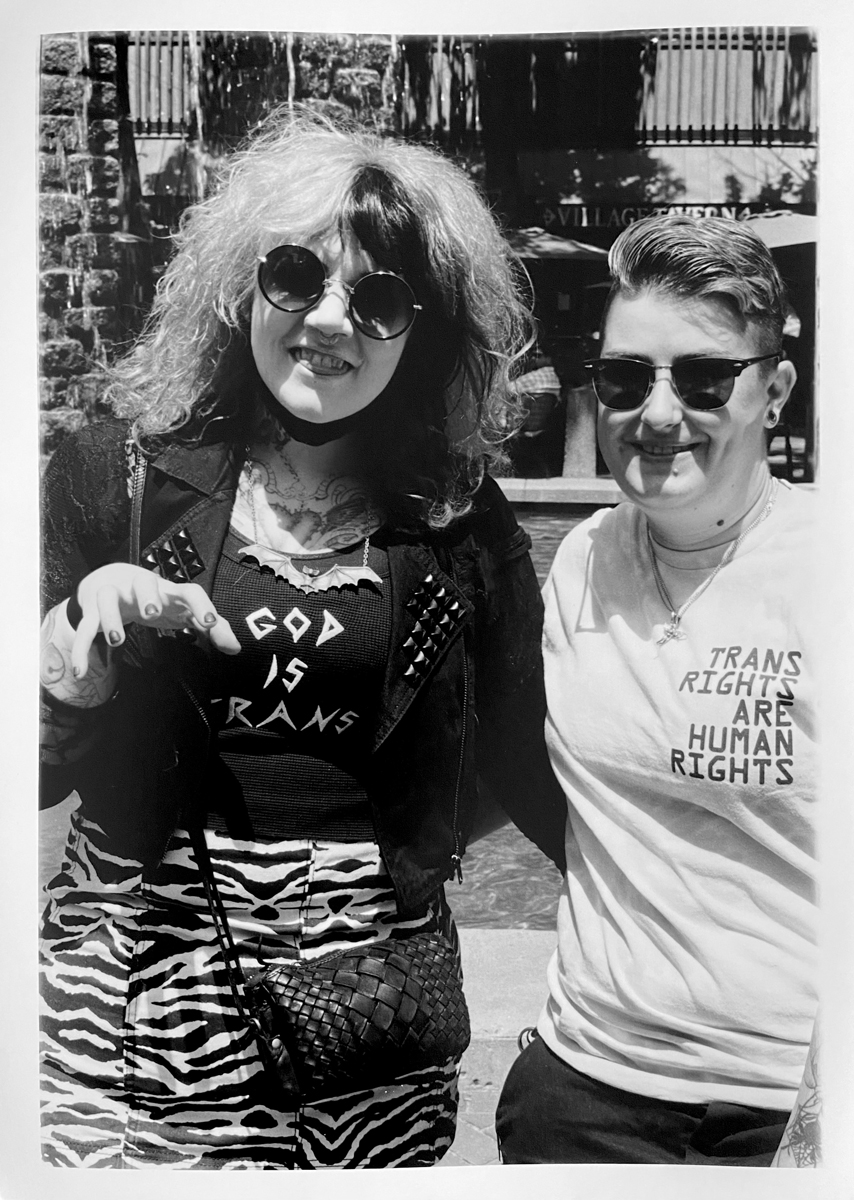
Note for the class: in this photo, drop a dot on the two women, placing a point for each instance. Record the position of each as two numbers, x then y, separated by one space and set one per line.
288 613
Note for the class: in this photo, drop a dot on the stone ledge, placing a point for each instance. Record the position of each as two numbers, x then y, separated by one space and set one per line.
562 490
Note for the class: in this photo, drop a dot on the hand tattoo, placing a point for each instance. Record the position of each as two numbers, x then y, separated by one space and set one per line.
53 667
57 678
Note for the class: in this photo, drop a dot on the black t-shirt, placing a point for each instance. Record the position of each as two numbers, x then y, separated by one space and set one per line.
296 710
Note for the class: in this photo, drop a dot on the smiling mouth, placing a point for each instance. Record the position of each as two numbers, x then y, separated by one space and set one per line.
657 450
321 364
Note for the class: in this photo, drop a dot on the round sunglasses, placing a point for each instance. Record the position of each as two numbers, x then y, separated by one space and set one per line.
704 384
381 304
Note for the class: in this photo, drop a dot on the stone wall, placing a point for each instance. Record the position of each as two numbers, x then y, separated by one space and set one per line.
92 238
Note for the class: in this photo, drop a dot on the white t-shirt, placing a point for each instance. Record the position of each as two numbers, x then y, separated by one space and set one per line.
686 962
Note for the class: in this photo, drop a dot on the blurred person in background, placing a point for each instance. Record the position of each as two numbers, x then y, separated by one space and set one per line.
535 450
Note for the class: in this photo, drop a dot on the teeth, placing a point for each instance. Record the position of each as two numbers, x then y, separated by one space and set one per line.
324 362
663 451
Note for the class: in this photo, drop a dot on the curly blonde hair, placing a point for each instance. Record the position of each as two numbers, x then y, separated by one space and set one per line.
448 410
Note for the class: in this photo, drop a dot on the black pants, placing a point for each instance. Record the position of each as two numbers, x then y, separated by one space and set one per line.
550 1113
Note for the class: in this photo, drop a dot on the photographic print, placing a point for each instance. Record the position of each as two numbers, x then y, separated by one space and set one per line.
431 453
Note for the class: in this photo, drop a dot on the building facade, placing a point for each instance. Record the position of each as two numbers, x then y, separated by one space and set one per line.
572 137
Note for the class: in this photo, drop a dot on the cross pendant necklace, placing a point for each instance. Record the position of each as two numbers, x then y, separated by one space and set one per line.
672 631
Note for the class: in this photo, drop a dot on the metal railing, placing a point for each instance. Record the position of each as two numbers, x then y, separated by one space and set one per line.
712 85
159 74
449 106
729 85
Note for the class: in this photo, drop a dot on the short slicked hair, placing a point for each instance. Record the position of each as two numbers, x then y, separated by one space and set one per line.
702 258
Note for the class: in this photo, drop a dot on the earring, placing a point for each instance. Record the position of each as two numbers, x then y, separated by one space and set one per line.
772 418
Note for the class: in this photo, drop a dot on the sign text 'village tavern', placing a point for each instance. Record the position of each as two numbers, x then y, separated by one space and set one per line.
566 215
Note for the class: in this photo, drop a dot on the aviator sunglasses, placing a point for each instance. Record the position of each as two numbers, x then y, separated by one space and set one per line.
381 304
704 384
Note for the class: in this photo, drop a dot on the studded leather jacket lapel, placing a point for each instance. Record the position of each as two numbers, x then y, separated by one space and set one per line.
429 612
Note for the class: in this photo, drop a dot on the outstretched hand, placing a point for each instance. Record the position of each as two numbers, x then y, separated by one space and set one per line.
120 594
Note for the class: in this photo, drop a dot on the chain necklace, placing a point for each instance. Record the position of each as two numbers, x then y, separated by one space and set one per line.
307 579
672 630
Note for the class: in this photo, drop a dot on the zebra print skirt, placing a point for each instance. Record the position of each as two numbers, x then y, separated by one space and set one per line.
145 1061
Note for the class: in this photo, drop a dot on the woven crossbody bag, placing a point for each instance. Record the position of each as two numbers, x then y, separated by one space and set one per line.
358 1018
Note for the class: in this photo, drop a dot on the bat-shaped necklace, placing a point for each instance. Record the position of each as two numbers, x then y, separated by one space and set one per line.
307 579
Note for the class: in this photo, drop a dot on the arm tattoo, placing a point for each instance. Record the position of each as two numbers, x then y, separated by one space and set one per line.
801 1144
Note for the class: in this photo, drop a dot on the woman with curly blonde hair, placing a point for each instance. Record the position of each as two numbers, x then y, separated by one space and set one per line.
414 213
290 662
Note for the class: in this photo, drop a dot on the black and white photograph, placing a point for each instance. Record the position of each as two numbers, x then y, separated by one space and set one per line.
439 539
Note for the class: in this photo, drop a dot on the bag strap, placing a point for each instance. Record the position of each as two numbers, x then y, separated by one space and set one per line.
279 1058
230 955
275 1056
138 464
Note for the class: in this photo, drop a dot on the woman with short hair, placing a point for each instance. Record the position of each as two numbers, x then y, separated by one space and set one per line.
680 655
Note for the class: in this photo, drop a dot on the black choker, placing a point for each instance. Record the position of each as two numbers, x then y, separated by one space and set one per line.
312 433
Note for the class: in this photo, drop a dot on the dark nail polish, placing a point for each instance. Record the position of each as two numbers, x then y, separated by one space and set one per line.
114 637
151 610
209 618
75 671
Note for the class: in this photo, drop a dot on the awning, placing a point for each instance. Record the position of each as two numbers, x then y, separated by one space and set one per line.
536 243
784 228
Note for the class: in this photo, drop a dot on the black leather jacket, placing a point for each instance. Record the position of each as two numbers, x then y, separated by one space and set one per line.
463 705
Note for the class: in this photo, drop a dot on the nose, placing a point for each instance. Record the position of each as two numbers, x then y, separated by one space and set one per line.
662 408
331 314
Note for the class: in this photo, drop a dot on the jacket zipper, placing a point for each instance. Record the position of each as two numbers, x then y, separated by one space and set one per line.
457 857
198 707
139 469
